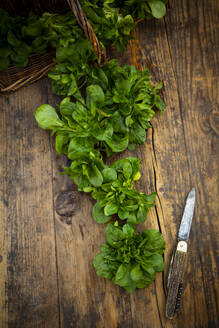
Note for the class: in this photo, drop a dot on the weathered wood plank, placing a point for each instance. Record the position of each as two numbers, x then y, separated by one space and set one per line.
86 300
46 267
147 306
27 247
165 167
196 67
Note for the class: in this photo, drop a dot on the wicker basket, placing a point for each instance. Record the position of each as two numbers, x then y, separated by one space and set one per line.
39 65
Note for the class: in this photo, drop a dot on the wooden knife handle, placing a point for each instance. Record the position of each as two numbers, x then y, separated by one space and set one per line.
176 278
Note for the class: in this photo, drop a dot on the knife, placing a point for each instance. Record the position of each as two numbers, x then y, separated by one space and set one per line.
175 275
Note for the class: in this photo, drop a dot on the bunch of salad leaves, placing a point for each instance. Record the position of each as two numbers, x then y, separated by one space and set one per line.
112 187
77 133
119 105
140 8
83 129
117 195
106 110
129 259
12 47
22 36
108 23
111 20
51 31
74 64
130 103
79 129
145 9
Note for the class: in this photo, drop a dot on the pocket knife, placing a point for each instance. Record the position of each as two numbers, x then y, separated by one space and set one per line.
176 270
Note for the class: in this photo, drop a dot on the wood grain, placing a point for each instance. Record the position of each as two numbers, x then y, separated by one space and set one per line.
28 260
199 98
48 238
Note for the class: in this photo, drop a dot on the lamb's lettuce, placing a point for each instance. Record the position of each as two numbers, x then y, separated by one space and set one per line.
129 259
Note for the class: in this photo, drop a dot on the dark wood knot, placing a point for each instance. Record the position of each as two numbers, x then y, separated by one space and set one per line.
67 204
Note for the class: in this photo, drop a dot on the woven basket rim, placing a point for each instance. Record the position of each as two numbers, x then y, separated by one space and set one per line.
13 78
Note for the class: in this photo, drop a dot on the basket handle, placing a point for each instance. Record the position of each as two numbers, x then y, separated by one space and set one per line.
88 30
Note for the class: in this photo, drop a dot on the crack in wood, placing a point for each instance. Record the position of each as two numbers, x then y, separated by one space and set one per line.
154 158
55 242
158 308
152 142
155 180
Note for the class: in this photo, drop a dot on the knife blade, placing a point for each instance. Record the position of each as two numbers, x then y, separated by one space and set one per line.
176 271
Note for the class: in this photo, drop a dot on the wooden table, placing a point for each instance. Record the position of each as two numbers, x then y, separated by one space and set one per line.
46 248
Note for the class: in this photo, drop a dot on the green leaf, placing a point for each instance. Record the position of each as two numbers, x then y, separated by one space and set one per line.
95 177
137 134
122 277
95 94
111 208
47 118
117 143
159 103
129 121
61 141
98 214
4 63
114 233
79 145
136 273
135 162
13 40
103 269
109 174
146 280
128 231
127 169
103 133
19 60
66 107
131 218
88 189
157 262
141 215
73 87
150 198
158 8
126 24
63 53
155 241
33 30
118 124
123 86
118 165
23 50
131 207
80 115
123 213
